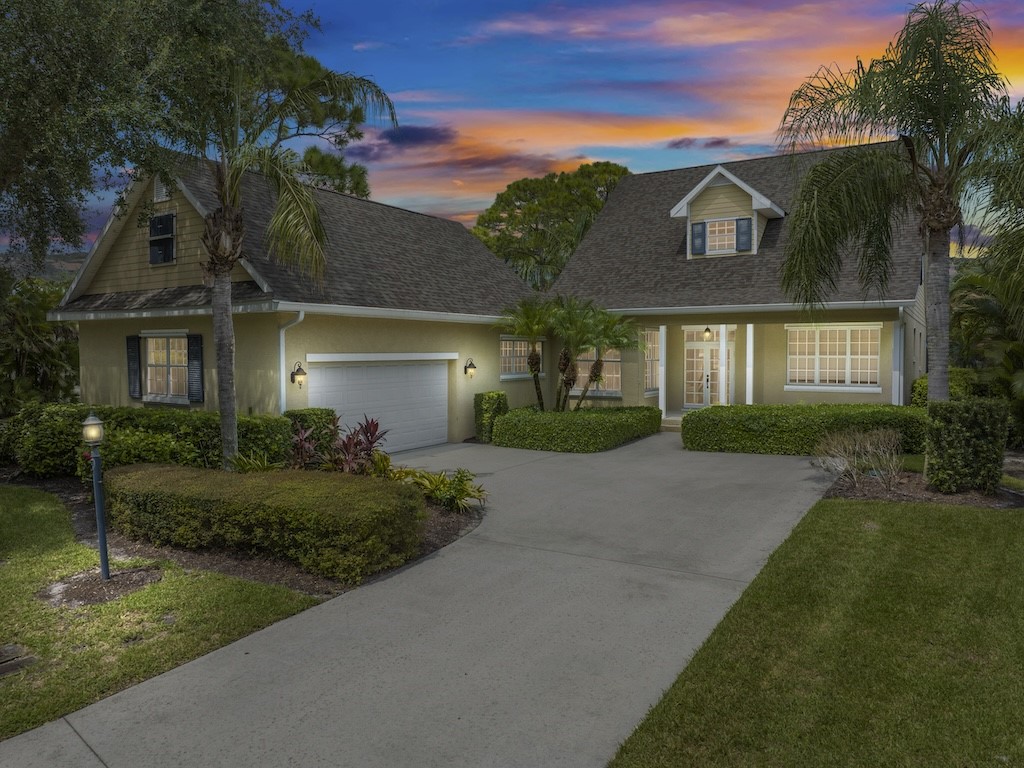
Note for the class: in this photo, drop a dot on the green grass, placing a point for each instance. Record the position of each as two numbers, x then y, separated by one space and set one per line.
90 652
876 635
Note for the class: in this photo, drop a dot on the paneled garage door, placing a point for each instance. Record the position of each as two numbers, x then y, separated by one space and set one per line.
409 399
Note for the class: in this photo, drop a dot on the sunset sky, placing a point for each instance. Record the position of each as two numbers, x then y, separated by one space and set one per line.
488 93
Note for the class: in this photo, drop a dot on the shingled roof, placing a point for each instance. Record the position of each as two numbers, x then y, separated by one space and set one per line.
378 256
634 255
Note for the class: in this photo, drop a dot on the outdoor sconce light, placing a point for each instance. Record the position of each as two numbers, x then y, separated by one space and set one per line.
298 375
92 433
707 333
469 368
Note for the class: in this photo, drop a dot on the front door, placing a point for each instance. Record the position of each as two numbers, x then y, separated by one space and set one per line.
703 372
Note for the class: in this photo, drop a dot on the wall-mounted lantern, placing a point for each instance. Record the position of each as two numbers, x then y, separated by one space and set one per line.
707 333
469 368
298 375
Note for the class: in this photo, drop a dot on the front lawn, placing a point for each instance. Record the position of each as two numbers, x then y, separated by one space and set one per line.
878 634
86 653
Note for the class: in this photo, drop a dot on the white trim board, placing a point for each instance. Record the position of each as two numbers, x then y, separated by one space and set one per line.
377 357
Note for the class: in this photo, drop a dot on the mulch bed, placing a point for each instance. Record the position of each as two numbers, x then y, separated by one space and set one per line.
441 528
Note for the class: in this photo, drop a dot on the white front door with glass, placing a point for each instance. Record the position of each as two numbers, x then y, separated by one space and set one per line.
708 370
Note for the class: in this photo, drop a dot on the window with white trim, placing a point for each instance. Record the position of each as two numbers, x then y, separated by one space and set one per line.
722 236
611 371
167 367
833 356
652 358
514 358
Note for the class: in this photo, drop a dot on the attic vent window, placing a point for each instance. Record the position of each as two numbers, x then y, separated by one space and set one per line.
161 193
161 239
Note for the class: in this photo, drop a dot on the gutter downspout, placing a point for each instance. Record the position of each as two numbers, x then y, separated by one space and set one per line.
282 363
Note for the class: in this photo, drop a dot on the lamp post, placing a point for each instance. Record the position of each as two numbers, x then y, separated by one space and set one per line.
92 433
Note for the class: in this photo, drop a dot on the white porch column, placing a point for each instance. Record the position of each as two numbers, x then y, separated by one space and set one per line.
723 364
750 364
898 344
662 355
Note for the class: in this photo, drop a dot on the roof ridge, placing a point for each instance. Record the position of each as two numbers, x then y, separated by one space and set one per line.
817 150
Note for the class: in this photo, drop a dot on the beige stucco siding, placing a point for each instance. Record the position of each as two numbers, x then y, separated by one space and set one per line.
341 335
126 266
104 369
769 370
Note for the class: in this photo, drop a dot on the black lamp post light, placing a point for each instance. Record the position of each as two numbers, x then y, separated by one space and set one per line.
92 433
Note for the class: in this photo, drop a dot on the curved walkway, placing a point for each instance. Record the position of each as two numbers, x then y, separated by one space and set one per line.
540 639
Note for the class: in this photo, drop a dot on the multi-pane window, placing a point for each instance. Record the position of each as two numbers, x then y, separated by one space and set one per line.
167 366
652 355
611 371
834 356
514 357
721 235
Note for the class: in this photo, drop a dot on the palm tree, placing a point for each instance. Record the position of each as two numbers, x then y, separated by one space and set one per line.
530 320
258 121
610 332
934 88
573 322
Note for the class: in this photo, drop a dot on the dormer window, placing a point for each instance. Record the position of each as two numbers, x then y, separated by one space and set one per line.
720 236
161 239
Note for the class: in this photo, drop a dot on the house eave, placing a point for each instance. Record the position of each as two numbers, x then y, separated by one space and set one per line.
761 308
380 313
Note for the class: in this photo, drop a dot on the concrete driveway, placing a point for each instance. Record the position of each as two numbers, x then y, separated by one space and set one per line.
540 639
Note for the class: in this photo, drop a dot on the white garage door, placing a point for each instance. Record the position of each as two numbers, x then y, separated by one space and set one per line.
410 400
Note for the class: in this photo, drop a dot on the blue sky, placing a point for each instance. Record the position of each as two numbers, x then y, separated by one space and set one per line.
488 93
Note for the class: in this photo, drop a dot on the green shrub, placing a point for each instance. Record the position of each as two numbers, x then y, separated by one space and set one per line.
322 421
452 491
965 443
963 382
795 429
48 438
585 431
487 406
337 525
134 446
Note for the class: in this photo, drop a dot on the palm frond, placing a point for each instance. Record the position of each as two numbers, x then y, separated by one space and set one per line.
850 199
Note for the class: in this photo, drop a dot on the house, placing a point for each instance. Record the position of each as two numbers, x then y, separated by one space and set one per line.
695 255
403 320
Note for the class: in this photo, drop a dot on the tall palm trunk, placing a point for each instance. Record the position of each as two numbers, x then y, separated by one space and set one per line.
222 237
224 345
596 369
937 313
533 363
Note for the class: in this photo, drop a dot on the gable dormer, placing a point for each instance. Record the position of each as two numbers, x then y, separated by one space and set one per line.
726 216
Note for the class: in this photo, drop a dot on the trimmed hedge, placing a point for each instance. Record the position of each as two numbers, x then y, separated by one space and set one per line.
47 439
342 526
963 382
795 429
487 406
965 442
585 431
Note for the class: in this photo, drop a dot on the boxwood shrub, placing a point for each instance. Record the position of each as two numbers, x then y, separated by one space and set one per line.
965 442
585 431
47 439
487 406
795 429
342 526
